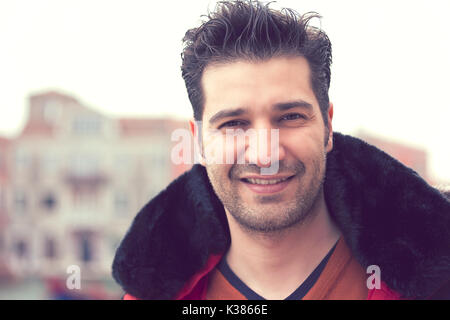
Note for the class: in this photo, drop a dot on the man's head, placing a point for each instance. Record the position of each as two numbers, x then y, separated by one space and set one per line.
249 67
248 30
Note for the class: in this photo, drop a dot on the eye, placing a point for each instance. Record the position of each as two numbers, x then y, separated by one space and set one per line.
293 116
232 123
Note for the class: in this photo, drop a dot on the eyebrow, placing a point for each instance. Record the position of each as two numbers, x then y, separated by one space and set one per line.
293 104
227 114
283 106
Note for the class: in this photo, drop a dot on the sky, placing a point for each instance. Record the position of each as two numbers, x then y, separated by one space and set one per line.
389 74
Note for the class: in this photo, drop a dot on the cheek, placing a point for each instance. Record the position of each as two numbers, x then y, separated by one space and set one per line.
306 148
218 174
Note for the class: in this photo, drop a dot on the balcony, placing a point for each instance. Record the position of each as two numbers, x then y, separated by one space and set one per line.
92 180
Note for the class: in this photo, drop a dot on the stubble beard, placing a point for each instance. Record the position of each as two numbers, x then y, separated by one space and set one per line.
269 214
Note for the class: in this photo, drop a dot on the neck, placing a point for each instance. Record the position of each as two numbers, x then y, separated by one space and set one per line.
275 265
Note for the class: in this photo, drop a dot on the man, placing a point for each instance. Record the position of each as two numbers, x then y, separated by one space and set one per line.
334 209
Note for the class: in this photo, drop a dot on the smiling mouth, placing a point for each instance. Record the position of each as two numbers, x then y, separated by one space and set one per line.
266 186
265 181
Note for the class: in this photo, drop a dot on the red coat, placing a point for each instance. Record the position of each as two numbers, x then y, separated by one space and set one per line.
195 288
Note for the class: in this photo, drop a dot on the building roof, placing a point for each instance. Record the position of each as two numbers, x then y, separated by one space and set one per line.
148 126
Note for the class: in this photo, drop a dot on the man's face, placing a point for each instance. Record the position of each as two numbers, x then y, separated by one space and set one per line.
272 95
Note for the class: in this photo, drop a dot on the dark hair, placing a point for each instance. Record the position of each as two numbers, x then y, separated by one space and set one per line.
252 31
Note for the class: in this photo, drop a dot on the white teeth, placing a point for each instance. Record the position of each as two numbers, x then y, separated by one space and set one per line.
265 181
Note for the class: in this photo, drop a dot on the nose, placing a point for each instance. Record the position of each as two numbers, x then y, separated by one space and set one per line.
264 147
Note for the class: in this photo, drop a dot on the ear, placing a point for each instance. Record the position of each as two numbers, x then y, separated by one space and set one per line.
330 128
196 133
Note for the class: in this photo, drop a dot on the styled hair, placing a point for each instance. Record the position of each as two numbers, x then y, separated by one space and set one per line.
250 30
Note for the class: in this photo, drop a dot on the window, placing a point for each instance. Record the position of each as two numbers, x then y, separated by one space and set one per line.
85 247
48 202
20 201
52 110
84 244
86 125
121 202
49 248
84 165
22 158
21 249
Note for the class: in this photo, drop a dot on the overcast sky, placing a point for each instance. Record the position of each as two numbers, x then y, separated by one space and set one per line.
391 62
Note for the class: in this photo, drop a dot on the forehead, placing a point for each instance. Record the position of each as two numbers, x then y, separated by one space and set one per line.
256 85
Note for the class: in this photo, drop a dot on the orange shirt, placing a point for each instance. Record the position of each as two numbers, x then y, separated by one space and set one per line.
342 278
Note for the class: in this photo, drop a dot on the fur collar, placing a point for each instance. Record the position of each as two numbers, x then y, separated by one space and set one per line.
389 216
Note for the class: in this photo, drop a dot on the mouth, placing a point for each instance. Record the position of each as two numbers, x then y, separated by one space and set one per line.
265 185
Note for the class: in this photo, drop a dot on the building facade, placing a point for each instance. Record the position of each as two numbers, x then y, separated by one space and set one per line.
74 181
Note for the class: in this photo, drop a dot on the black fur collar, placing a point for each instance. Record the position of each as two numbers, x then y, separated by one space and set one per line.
389 216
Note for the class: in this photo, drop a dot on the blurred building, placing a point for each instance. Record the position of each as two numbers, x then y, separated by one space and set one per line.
76 179
4 182
410 156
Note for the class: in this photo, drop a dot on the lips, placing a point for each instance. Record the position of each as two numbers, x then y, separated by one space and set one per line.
266 185
264 181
